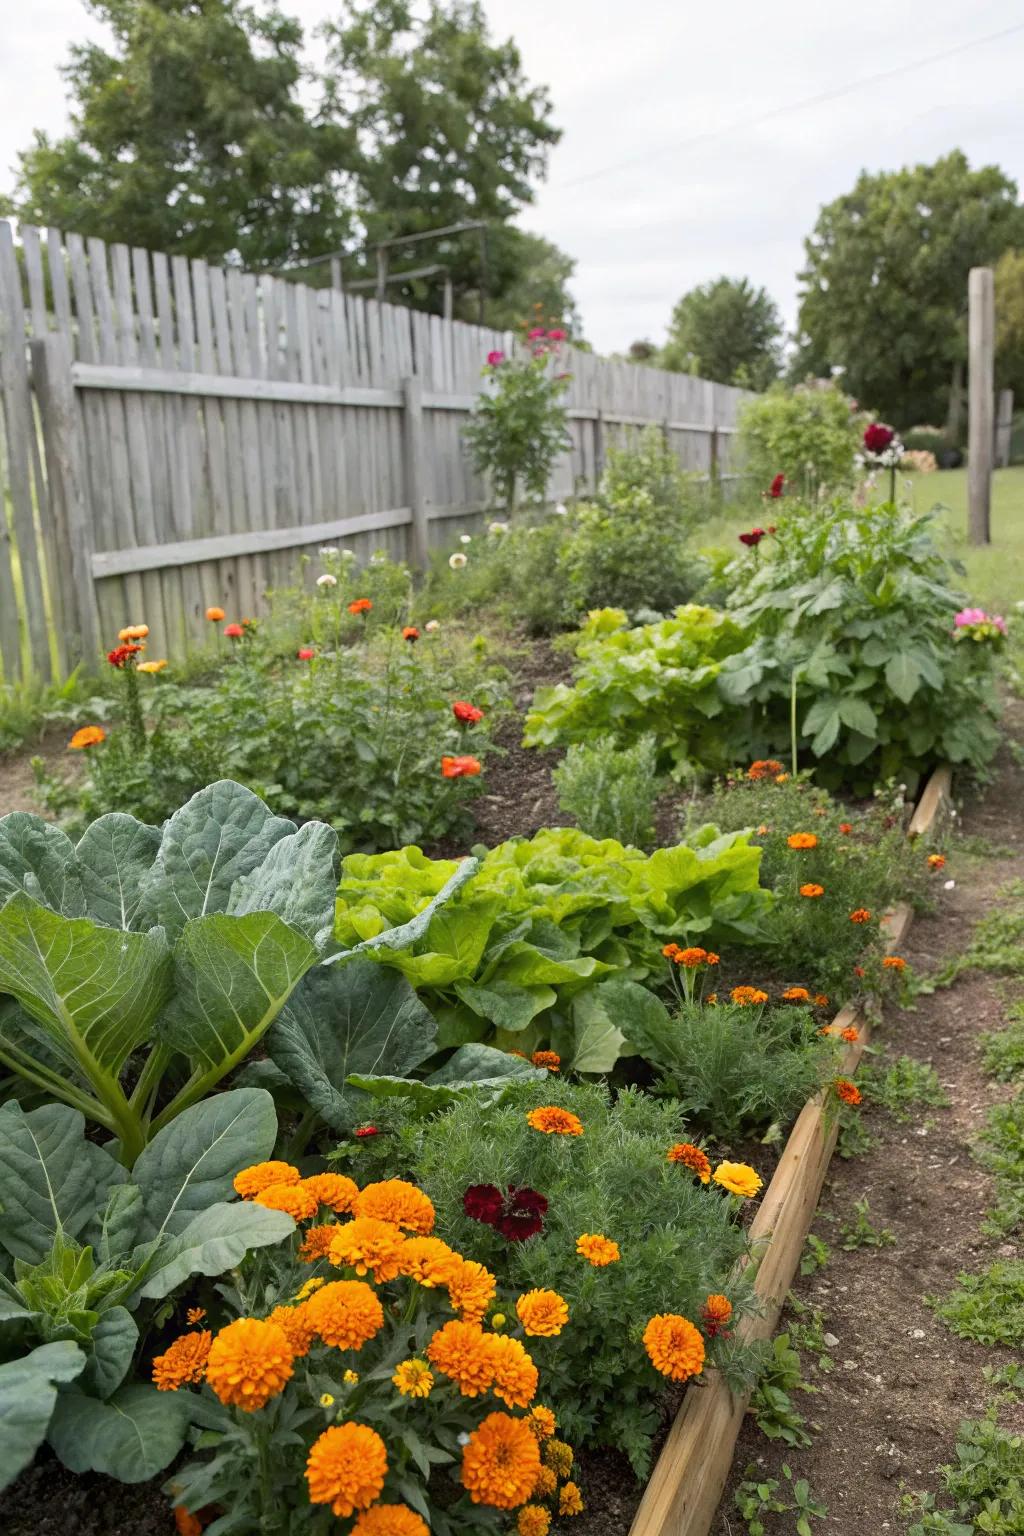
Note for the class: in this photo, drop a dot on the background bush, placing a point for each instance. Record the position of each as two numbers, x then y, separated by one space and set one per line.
810 434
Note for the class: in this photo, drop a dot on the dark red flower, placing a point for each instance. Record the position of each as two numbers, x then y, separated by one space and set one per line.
367 1130
775 489
753 538
483 1202
122 653
466 714
877 437
523 1215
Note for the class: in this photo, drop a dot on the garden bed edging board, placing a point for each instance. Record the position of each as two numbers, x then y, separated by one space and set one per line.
689 1476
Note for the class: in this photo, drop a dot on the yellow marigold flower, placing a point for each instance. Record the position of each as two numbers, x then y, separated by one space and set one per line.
316 1244
542 1313
87 736
400 1203
390 1520
326 1400
738 1179
894 963
345 1313
466 1355
151 666
691 1157
294 1199
308 1287
558 1456
182 1362
554 1121
597 1250
368 1245
413 1378
546 1484
346 1468
500 1462
498 1320
251 1181
549 1059
335 1190
533 1520
297 1326
250 1362
748 996
428 1261
215 615
802 840
860 915
812 891
543 1422
350 1378
675 1347
515 1375
782 778
796 995
195 1314
570 1500
471 1290
691 958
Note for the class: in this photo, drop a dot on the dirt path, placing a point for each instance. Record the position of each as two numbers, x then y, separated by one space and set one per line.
889 1410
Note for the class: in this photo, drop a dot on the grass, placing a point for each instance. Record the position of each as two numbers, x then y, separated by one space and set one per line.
995 574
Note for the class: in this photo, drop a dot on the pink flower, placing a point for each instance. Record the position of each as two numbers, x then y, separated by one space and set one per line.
536 334
307 653
557 335
495 359
968 616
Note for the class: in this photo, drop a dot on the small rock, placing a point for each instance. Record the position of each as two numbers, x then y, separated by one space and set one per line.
918 1333
829 1340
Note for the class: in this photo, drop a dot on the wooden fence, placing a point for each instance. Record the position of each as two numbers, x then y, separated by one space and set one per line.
176 434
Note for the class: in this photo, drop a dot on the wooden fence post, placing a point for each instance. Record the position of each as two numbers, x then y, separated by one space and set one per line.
980 413
51 368
598 447
1004 428
412 437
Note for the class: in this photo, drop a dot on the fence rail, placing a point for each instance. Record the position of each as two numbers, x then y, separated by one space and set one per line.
175 434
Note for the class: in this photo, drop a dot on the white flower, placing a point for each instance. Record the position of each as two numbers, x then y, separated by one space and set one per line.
348 554
431 625
457 561
949 885
497 528
465 538
561 510
462 1437
378 557
327 550
327 580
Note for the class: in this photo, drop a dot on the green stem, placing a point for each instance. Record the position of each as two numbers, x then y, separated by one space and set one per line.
43 1078
892 483
149 1078
300 1136
792 722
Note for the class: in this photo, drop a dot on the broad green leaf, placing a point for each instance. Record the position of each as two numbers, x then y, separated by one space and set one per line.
473 1069
232 976
857 713
221 834
132 1436
12 1311
298 880
505 1005
115 854
214 1241
483 1064
51 1178
38 859
903 675
452 947
359 1017
28 1392
113 1345
192 1162
601 1019
94 991
113 1231
405 935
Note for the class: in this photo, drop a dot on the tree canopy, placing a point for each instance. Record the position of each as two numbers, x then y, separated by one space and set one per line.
1009 285
727 331
884 288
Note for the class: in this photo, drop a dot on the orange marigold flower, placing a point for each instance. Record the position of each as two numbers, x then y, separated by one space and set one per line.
515 1375
597 1250
691 1157
713 959
346 1313
410 633
546 1484
297 1327
796 995
471 1289
846 827
811 890
849 1035
413 1378
182 1362
428 1261
570 1500
295 1200
712 997
317 1243
466 1355
558 1455
309 1286
464 767
764 768
820 1000
87 736
738 1179
716 1312
500 1462
763 830
215 615
252 1181
860 915
802 840
390 1520
186 1524
360 605
533 1520
936 861
133 632
847 1091
346 1468
249 1363
542 1313
747 996
692 957
549 1059
195 1314
554 1121
542 1421
399 1202
670 951
675 1347
894 963
335 1190
368 1244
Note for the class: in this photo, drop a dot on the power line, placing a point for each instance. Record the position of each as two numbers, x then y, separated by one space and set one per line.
787 108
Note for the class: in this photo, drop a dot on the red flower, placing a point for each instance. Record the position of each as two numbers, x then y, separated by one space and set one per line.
410 633
523 1215
483 1202
557 335
877 437
775 489
360 605
495 359
234 631
307 653
466 714
753 538
121 654
367 1130
459 767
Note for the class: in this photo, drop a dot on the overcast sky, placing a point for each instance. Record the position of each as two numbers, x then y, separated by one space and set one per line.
676 163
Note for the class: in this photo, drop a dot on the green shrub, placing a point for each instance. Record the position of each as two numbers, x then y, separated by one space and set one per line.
809 434
513 571
611 793
519 428
989 1307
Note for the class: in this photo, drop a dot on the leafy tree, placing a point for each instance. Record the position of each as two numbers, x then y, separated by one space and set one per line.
728 331
1010 322
189 136
539 291
884 288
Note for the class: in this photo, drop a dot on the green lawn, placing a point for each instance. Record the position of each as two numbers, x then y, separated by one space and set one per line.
995 574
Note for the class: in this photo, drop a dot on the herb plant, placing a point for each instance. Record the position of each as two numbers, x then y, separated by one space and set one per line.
611 792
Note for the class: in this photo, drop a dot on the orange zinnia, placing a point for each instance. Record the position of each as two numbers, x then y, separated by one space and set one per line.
811 890
802 840
847 1091
691 1157
87 736
460 767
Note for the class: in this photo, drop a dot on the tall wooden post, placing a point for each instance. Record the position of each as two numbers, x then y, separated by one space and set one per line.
981 315
412 391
